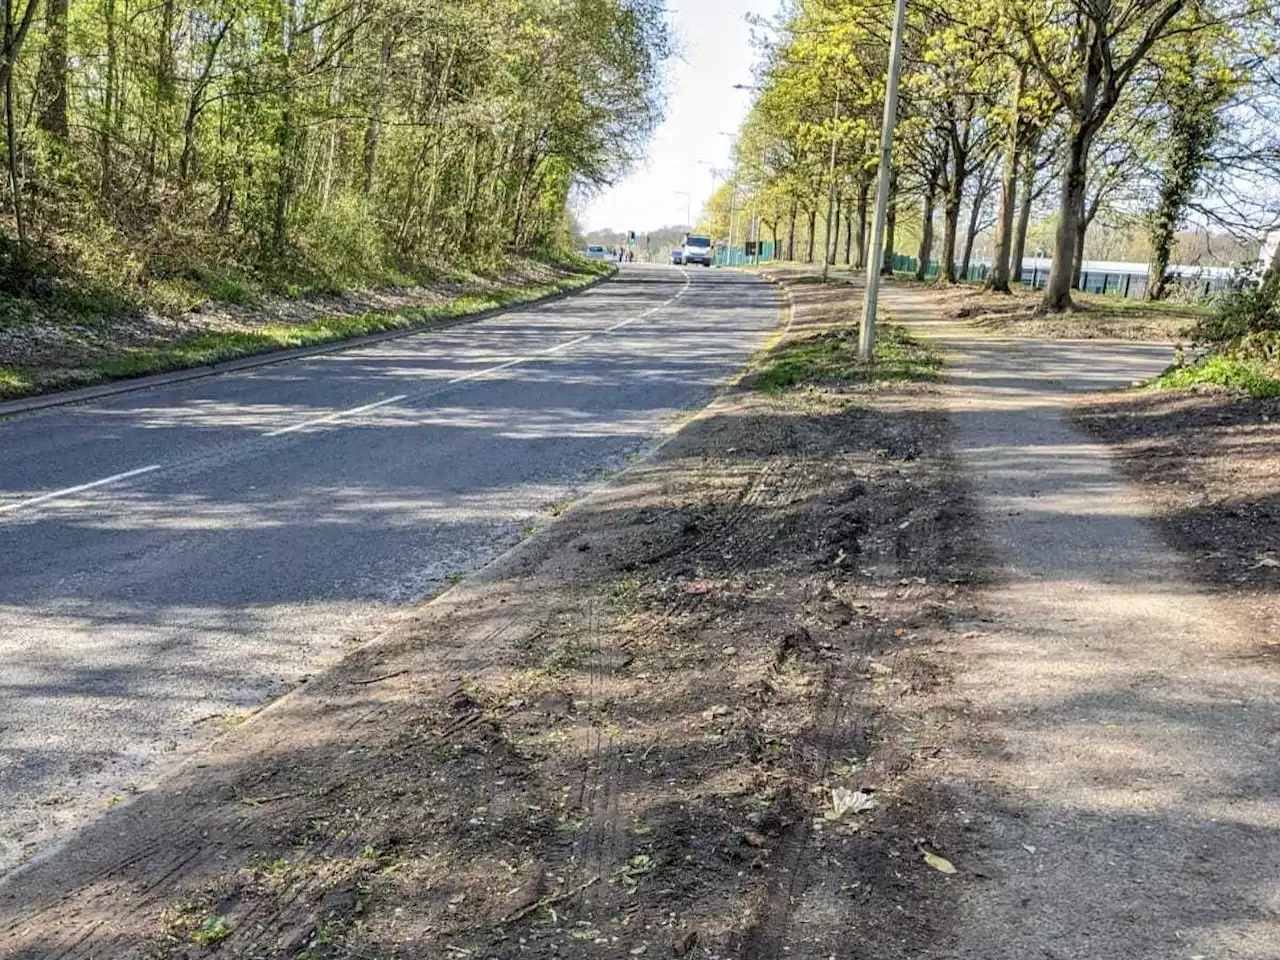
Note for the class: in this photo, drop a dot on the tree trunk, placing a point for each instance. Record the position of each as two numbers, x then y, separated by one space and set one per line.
890 224
833 244
951 220
1017 254
864 189
930 206
108 98
848 238
1067 239
813 235
195 103
999 279
6 78
53 72
375 116
971 232
791 232
926 229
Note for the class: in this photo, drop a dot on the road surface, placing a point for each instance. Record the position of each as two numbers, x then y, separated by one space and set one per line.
175 557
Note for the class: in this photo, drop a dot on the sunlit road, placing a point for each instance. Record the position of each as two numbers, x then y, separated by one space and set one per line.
176 556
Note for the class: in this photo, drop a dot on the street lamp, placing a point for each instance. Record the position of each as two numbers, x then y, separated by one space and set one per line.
688 207
867 335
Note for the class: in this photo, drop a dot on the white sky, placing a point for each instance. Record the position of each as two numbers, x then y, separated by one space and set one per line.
714 41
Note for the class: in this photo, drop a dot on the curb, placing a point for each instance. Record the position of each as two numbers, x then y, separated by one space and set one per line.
64 398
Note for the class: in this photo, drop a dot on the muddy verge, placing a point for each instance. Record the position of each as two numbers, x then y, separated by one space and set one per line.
696 717
1209 460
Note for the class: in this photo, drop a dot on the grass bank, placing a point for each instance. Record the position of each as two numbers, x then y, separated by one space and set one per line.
43 353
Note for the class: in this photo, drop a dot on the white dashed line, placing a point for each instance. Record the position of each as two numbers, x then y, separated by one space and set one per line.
55 494
338 415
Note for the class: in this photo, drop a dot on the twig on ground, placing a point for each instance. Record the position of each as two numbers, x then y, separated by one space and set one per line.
549 900
385 676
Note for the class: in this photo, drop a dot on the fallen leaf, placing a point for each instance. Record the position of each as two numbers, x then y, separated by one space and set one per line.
844 800
941 864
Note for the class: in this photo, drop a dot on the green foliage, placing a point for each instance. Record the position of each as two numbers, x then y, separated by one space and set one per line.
226 148
1240 314
832 356
1251 376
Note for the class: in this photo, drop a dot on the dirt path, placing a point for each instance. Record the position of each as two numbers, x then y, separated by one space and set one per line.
1128 719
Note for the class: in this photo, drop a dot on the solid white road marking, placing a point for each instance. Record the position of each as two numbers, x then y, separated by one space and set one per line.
342 414
55 494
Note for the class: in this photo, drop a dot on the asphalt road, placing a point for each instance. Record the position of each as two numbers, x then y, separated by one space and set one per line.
175 557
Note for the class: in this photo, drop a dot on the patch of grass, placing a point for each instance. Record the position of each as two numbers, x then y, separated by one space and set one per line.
832 355
15 382
1105 303
1251 376
213 930
561 508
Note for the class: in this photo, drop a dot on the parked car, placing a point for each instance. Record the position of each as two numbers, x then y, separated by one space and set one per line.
677 256
698 250
595 252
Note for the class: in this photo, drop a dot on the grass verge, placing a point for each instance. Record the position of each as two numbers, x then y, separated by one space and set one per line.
832 355
220 346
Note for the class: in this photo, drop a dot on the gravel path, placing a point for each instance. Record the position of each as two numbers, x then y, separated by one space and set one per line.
1127 726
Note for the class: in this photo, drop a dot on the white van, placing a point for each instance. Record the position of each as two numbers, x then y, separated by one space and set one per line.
698 250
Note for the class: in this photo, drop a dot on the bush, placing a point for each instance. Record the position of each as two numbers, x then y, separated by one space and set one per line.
344 242
1241 314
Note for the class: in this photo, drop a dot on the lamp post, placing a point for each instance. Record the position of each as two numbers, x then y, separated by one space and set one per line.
688 207
867 334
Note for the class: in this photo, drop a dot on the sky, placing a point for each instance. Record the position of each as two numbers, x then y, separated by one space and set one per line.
715 52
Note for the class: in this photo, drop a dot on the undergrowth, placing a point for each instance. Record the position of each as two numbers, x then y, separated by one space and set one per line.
1251 376
220 346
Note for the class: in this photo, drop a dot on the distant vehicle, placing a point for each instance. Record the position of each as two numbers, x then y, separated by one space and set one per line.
698 250
677 256
595 252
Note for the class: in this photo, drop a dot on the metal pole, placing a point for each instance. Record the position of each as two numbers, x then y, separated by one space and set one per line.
733 198
831 191
867 335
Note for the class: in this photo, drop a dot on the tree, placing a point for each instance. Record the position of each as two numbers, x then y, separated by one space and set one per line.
1194 86
1087 54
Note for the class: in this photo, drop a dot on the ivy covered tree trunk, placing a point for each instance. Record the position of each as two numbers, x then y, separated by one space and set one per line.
52 81
1194 93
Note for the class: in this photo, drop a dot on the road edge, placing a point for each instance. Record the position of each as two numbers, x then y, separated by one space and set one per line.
63 398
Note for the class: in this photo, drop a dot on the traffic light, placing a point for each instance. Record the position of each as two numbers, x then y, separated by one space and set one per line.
631 238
